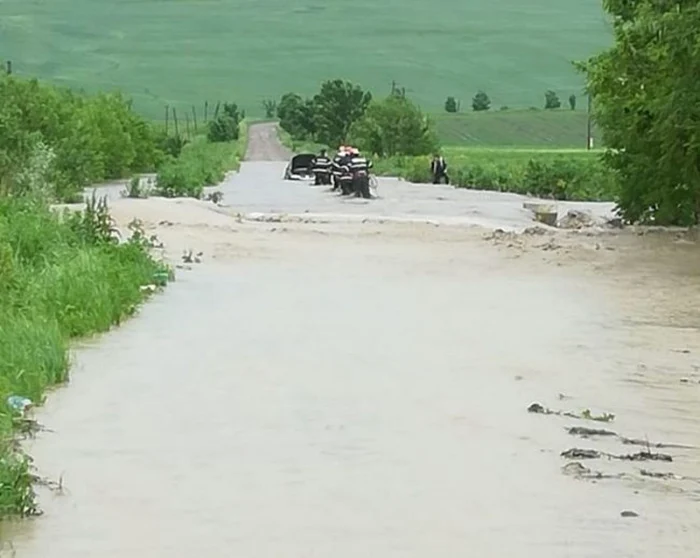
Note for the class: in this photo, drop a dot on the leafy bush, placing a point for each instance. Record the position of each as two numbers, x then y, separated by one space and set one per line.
60 277
481 102
551 100
545 175
270 108
225 127
451 105
200 164
91 138
394 126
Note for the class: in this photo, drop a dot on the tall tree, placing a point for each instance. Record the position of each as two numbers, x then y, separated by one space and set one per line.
339 104
647 105
394 126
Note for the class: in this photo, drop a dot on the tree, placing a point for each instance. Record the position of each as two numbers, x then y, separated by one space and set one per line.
451 105
551 100
481 101
339 104
225 127
646 102
270 107
394 126
296 116
572 101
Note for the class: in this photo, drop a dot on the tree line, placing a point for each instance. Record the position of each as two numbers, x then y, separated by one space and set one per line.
343 112
482 102
60 141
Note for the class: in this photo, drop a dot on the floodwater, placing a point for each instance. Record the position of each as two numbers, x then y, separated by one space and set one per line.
344 389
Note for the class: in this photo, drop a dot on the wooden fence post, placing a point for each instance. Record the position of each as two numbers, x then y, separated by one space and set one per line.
177 131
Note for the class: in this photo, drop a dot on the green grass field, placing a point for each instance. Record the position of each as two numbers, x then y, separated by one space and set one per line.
554 129
184 52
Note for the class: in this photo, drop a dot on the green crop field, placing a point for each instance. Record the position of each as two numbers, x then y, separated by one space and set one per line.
184 52
560 128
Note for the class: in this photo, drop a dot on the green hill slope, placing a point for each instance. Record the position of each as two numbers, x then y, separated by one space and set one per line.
527 128
184 52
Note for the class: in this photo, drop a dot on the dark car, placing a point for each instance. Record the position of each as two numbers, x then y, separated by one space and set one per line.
300 167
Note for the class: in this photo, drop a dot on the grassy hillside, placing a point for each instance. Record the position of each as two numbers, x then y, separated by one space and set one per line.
532 128
183 52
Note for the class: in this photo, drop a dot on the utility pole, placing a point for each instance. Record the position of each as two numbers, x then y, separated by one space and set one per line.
589 138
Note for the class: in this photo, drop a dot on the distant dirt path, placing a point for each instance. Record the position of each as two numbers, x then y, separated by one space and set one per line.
264 144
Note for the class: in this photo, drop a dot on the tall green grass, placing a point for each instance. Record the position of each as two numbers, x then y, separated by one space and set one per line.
565 175
61 277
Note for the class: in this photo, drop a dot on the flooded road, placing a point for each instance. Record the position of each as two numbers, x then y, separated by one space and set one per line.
333 388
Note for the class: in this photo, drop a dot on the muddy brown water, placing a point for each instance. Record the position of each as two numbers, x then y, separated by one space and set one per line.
344 389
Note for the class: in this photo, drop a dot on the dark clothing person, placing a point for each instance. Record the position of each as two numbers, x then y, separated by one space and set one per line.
336 169
345 177
438 168
322 169
359 166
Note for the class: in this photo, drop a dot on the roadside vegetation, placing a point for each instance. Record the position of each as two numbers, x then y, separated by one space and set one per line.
62 275
574 176
401 138
643 102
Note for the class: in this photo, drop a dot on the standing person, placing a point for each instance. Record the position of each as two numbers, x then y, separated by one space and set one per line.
359 167
345 178
322 169
438 168
336 166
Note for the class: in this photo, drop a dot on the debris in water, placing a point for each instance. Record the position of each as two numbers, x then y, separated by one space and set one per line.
585 414
19 404
657 445
189 257
578 470
658 475
577 453
28 427
629 513
586 432
645 456
605 417
576 219
215 197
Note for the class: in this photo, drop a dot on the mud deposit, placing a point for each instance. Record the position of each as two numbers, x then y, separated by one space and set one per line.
327 387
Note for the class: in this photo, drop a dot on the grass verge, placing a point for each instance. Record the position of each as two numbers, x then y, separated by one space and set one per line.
201 163
563 175
61 277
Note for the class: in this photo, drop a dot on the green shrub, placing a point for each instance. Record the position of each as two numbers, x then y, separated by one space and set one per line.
562 176
91 138
225 126
200 164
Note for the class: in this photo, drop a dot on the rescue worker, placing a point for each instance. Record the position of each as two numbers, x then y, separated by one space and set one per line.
359 167
438 168
322 169
345 178
336 166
